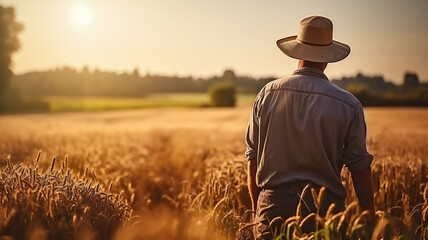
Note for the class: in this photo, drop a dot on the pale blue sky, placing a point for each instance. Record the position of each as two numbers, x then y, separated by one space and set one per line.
202 38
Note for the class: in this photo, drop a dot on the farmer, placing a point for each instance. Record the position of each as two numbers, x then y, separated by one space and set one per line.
301 132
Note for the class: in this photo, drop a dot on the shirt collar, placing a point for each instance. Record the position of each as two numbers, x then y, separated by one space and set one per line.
311 72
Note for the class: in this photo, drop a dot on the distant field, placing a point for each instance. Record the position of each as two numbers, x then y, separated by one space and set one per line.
192 100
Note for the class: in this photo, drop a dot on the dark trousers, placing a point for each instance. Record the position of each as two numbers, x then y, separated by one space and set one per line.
283 202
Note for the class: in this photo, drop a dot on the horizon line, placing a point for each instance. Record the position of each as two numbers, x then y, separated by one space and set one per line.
147 72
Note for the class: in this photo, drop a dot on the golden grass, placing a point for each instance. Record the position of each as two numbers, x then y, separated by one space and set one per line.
183 175
57 201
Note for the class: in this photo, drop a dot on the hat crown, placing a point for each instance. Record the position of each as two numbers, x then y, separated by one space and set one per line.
316 30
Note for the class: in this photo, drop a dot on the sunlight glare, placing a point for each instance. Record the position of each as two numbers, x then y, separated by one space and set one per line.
80 15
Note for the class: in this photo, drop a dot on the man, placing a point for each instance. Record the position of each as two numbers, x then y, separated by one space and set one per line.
302 131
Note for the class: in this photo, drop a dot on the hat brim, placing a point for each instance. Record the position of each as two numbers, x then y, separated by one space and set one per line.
294 48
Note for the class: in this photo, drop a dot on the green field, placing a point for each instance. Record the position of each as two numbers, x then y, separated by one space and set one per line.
192 100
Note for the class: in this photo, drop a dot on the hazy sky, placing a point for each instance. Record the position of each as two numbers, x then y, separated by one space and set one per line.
202 38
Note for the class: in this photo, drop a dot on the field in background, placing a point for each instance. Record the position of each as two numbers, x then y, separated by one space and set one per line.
183 171
61 103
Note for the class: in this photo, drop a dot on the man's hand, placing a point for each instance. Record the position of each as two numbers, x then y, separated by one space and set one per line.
252 187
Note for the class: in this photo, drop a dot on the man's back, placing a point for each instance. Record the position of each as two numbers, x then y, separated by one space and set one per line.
301 132
307 128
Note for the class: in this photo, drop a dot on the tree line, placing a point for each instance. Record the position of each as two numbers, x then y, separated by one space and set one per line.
375 91
66 81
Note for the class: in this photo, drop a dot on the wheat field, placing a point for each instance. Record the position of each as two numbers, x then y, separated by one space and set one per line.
181 174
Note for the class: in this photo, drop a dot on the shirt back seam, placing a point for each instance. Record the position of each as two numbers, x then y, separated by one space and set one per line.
312 92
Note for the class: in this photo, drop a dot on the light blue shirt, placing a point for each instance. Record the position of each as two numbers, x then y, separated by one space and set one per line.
305 128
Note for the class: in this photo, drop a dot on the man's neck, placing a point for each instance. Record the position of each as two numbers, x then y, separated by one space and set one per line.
316 65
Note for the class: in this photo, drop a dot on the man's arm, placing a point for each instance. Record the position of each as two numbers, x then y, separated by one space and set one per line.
252 187
358 161
252 141
362 180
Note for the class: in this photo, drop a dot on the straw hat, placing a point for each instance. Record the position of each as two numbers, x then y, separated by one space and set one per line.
314 42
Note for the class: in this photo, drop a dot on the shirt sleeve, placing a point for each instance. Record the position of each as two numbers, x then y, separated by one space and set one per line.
355 155
252 133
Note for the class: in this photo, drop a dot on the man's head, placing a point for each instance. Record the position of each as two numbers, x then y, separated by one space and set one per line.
314 42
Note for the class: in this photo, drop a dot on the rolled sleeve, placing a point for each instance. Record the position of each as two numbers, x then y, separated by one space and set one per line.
355 155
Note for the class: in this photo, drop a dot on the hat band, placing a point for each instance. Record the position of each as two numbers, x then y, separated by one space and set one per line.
314 44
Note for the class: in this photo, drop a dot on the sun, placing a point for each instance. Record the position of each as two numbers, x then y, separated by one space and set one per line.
80 15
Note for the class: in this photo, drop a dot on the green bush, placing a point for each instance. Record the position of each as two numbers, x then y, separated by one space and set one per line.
223 94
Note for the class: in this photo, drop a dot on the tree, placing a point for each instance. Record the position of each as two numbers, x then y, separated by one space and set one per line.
9 44
411 79
229 75
223 94
136 73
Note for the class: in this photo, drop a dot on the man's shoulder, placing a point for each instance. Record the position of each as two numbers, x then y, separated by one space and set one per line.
322 87
278 83
272 85
344 95
329 89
